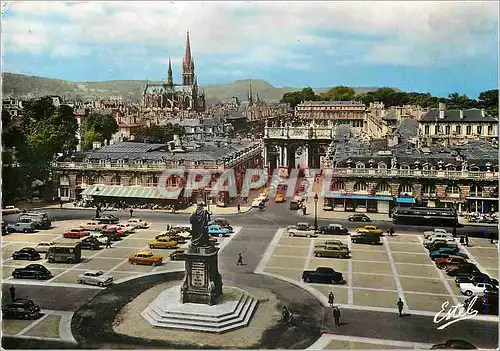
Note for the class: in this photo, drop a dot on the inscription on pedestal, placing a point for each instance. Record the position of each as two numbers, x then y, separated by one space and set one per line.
198 279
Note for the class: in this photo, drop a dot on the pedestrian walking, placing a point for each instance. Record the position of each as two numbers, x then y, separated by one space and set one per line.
454 232
12 290
131 212
240 260
108 242
285 314
239 208
60 203
400 304
336 316
391 231
304 210
331 299
97 213
466 239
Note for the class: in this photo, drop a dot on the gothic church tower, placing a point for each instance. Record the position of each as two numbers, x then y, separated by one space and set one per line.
188 77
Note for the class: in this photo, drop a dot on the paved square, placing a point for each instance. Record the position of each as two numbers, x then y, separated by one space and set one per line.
374 281
129 242
340 292
371 267
294 241
129 267
48 328
295 251
431 303
96 263
354 345
12 326
403 238
294 274
116 252
416 270
373 298
410 258
369 255
403 247
339 264
285 262
69 277
434 286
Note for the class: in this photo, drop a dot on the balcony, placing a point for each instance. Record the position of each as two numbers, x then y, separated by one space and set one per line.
409 173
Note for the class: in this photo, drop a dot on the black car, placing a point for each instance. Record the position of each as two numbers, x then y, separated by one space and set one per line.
463 270
90 243
107 219
178 255
333 229
454 344
365 238
436 246
359 217
479 277
487 304
27 253
21 309
32 271
323 275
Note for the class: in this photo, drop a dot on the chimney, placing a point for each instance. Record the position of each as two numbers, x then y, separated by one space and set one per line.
441 114
393 140
461 114
442 106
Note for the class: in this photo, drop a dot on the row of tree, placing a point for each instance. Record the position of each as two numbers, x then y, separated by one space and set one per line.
392 97
158 134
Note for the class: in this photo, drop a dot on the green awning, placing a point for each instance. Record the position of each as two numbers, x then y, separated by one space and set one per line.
142 192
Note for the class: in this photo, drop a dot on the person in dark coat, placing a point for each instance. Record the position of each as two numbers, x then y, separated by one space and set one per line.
240 260
331 299
239 208
285 314
108 242
131 212
12 290
400 304
466 239
391 231
336 316
304 210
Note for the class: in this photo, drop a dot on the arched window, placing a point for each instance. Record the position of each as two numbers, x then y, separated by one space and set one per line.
360 165
382 165
99 180
80 180
338 185
405 189
474 168
383 188
360 187
476 190
453 190
134 181
405 166
429 190
64 180
425 167
153 180
450 167
116 180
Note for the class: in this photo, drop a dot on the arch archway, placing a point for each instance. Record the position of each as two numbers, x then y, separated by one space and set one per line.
116 180
383 188
406 189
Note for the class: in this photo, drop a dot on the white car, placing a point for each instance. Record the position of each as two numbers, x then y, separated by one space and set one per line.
93 225
127 226
470 289
438 238
138 222
43 247
436 231
10 210
257 201
95 278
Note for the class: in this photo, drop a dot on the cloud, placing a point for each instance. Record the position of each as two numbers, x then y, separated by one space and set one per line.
290 34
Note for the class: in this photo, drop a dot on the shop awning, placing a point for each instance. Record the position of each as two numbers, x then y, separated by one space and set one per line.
361 197
405 200
482 198
141 192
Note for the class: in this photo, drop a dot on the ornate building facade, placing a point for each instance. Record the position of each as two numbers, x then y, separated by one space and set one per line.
172 98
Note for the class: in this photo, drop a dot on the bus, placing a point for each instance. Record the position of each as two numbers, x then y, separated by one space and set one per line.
65 252
40 219
427 216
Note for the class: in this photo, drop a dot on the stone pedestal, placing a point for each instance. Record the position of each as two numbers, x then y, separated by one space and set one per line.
203 282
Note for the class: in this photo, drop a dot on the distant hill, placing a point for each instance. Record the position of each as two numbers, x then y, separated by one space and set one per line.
23 86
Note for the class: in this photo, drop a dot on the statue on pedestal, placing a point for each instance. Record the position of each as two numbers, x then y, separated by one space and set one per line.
199 222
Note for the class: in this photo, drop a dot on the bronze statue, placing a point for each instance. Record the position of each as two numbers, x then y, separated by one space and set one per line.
199 227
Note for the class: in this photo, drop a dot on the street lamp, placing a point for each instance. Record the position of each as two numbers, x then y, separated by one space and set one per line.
455 219
315 211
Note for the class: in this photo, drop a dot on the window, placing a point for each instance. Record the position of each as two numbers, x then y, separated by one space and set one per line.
437 129
360 165
490 130
382 165
382 188
99 180
429 190
479 130
453 191
476 190
468 130
360 186
425 167
405 189
338 185
426 130
116 180
447 130
458 130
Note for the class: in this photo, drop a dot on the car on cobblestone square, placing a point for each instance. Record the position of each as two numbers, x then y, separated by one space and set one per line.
451 262
93 225
372 229
463 270
139 223
115 229
146 257
333 229
107 219
428 234
365 238
26 253
95 278
217 230
91 243
442 244
279 198
478 278
44 247
224 223
331 251
323 275
21 309
178 255
76 233
444 252
435 239
479 289
163 242
332 242
128 229
359 217
32 271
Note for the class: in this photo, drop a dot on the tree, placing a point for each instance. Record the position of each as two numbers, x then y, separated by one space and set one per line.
489 101
159 134
339 93
89 137
460 102
101 123
296 97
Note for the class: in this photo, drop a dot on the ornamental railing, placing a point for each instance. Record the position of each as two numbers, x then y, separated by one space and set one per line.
409 173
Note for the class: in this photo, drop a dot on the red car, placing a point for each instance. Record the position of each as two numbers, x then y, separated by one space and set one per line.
76 233
450 262
115 229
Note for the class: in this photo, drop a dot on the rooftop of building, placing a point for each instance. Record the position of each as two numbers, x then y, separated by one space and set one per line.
332 103
469 116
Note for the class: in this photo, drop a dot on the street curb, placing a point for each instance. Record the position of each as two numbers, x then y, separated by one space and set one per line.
138 210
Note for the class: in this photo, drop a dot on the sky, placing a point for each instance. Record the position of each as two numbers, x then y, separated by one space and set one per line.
436 47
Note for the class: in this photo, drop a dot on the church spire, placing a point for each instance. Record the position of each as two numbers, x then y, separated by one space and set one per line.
170 79
187 54
188 64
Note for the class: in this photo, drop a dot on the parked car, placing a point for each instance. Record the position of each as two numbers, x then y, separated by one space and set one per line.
365 238
27 253
450 262
323 275
107 219
441 244
21 309
65 252
163 243
369 229
435 231
32 271
138 222
479 278
486 304
438 238
217 230
103 237
332 251
466 269
359 217
76 233
224 223
301 226
127 227
91 243
444 252
95 278
295 231
92 225
333 229
115 229
279 198
40 219
179 239
470 289
10 210
454 344
257 202
21 227
146 257
43 247
332 242
178 255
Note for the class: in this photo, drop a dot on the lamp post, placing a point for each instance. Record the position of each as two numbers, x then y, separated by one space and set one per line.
315 211
455 220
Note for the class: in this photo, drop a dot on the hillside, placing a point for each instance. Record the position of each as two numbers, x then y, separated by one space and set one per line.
22 86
